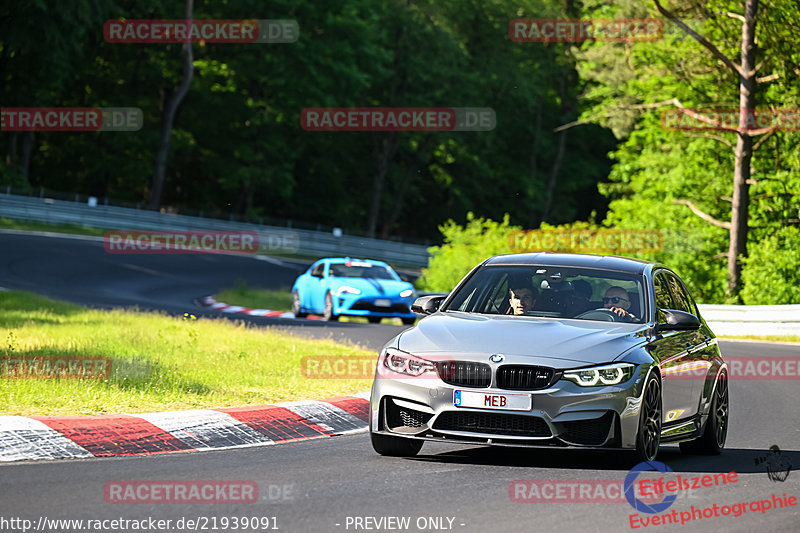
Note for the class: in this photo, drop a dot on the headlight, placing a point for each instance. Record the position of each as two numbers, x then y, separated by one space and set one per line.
600 375
406 293
344 289
405 363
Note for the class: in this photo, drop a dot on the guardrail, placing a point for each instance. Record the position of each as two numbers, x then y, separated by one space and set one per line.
272 239
752 319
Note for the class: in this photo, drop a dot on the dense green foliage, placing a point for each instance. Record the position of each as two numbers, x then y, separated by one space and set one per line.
238 146
237 143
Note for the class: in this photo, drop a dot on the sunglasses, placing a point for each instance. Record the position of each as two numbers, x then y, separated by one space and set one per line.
614 300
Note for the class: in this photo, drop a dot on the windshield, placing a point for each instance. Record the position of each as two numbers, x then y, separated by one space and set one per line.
359 270
557 292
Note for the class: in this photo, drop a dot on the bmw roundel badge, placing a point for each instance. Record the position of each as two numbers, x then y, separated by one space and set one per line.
496 358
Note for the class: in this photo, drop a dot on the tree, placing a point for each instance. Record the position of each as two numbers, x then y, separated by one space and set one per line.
170 109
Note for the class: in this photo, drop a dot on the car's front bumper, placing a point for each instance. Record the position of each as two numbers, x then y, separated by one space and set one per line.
384 307
563 414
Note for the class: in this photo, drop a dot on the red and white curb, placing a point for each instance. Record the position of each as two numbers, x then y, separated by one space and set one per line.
209 301
76 437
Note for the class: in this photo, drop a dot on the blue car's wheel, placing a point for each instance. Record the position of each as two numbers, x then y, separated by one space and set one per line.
297 309
328 313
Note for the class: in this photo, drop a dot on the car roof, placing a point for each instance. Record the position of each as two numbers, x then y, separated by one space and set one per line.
353 259
603 262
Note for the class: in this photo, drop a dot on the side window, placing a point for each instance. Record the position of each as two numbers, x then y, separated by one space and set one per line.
317 270
683 302
663 298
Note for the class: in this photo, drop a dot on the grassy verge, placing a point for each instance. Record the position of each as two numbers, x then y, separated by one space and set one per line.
7 223
765 338
158 362
280 300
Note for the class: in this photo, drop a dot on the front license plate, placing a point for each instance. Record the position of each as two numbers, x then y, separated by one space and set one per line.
480 400
383 303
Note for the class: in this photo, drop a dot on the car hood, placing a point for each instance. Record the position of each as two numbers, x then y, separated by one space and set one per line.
559 343
372 286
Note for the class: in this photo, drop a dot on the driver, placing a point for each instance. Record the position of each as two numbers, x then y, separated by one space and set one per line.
521 298
618 301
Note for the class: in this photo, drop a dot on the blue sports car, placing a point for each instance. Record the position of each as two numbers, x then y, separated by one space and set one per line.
339 286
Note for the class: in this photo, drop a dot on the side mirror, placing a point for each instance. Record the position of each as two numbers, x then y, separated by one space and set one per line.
678 321
427 305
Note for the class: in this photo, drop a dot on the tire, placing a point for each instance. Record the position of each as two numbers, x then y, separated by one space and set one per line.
296 308
409 321
374 319
395 446
328 313
648 437
712 441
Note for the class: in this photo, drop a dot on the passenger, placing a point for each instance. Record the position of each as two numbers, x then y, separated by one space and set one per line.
582 296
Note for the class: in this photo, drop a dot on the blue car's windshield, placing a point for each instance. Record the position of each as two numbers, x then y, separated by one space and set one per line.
558 292
359 270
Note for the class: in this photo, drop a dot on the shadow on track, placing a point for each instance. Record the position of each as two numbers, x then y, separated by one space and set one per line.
740 460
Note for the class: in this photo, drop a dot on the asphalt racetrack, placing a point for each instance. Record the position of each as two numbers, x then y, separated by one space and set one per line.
339 483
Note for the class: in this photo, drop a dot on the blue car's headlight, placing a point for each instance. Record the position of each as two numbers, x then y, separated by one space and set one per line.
406 293
600 375
344 289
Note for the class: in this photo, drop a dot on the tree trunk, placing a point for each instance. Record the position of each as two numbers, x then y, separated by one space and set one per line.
24 164
534 167
744 152
556 168
168 117
551 183
384 151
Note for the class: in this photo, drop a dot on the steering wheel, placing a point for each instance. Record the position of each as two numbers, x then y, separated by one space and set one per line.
606 315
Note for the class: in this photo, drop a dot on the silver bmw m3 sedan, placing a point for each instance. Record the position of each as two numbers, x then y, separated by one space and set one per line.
555 350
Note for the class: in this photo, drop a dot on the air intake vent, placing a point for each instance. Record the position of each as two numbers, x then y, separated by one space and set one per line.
493 423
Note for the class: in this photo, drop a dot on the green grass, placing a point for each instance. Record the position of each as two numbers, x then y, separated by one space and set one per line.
280 300
765 338
7 223
158 362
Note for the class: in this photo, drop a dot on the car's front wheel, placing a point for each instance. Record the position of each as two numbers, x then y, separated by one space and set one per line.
374 319
395 446
328 313
409 321
648 437
297 309
712 441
